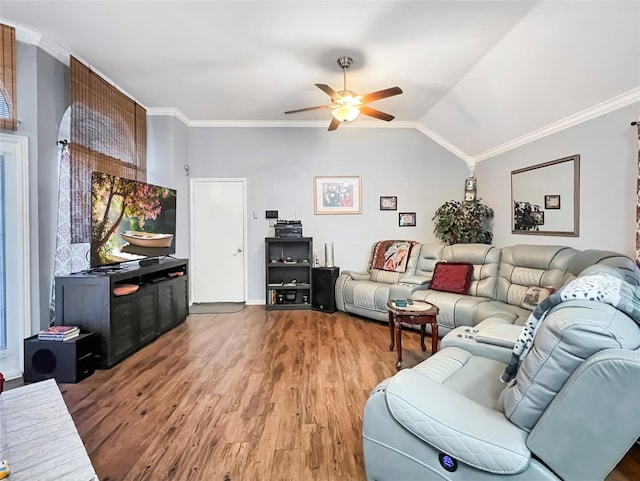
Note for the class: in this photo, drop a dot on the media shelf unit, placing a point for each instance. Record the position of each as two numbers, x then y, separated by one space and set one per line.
288 272
124 323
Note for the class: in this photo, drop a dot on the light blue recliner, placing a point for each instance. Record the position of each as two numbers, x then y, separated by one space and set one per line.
572 412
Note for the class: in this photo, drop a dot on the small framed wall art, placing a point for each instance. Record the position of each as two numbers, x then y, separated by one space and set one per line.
337 195
388 202
551 201
407 219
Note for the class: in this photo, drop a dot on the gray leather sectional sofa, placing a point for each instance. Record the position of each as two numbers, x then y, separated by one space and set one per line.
501 277
570 413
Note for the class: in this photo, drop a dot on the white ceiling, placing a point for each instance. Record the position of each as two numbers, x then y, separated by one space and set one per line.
479 77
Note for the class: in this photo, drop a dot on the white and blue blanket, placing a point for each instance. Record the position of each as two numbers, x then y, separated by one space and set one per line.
601 287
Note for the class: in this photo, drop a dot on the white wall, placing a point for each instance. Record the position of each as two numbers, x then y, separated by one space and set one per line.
280 163
608 171
167 154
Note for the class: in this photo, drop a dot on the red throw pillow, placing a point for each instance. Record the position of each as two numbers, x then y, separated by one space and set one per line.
452 277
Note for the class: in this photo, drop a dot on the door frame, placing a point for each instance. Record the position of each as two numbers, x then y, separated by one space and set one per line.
18 146
245 230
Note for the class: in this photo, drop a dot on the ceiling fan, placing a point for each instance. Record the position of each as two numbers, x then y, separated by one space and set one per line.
346 105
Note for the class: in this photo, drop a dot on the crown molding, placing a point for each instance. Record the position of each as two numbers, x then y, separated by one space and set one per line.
445 144
25 35
618 102
169 111
297 124
36 39
602 108
55 50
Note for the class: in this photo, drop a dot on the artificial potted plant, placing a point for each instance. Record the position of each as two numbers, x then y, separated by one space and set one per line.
463 222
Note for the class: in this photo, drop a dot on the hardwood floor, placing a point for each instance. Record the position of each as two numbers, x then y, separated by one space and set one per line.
253 395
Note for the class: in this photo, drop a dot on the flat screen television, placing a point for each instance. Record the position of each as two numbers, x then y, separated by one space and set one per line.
130 220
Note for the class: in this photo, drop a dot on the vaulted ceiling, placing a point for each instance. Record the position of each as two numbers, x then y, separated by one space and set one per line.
479 77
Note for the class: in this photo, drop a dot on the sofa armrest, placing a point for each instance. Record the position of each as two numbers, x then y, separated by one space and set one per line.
472 433
357 276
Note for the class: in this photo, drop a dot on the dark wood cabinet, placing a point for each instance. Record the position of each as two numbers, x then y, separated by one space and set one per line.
288 272
124 324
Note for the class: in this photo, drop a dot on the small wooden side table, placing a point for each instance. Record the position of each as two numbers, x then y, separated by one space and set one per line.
418 313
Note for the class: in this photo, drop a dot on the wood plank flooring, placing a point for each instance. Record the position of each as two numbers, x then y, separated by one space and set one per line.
253 395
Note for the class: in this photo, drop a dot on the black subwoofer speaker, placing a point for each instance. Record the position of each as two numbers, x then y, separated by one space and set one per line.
323 284
66 361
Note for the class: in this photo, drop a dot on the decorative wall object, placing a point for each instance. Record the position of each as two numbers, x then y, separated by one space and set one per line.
470 186
530 189
337 195
551 201
407 219
388 203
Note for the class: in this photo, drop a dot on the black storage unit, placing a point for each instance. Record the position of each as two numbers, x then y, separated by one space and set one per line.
288 272
323 280
123 324
66 361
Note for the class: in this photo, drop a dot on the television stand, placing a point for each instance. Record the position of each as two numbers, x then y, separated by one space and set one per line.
124 324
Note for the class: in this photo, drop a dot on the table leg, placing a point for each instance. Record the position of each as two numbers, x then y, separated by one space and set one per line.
399 344
391 330
434 337
422 334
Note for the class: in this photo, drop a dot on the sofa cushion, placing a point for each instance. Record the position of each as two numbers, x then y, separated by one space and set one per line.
391 255
454 277
486 261
523 266
455 309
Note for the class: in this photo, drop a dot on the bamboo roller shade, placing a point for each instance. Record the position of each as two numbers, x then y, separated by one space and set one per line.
8 76
108 134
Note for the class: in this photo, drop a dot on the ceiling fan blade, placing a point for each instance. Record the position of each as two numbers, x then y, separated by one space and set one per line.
329 91
381 94
309 108
335 123
375 113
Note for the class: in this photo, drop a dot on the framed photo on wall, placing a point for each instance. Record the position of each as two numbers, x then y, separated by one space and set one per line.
388 202
337 195
407 219
551 201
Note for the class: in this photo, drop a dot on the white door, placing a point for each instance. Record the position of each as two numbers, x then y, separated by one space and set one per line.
15 318
218 233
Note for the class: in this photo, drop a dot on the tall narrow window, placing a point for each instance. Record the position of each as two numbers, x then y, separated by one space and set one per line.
8 113
108 134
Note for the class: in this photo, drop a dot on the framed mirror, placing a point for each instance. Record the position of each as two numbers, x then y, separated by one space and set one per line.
545 198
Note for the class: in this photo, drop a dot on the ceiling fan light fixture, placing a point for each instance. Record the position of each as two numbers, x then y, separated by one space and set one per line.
346 113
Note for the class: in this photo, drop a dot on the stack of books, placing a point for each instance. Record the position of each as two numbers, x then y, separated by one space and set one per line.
59 333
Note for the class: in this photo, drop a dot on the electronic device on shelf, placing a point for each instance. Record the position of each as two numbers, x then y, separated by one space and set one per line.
288 228
145 229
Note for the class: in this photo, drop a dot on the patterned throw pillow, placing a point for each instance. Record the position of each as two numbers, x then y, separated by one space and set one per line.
391 255
535 295
452 277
